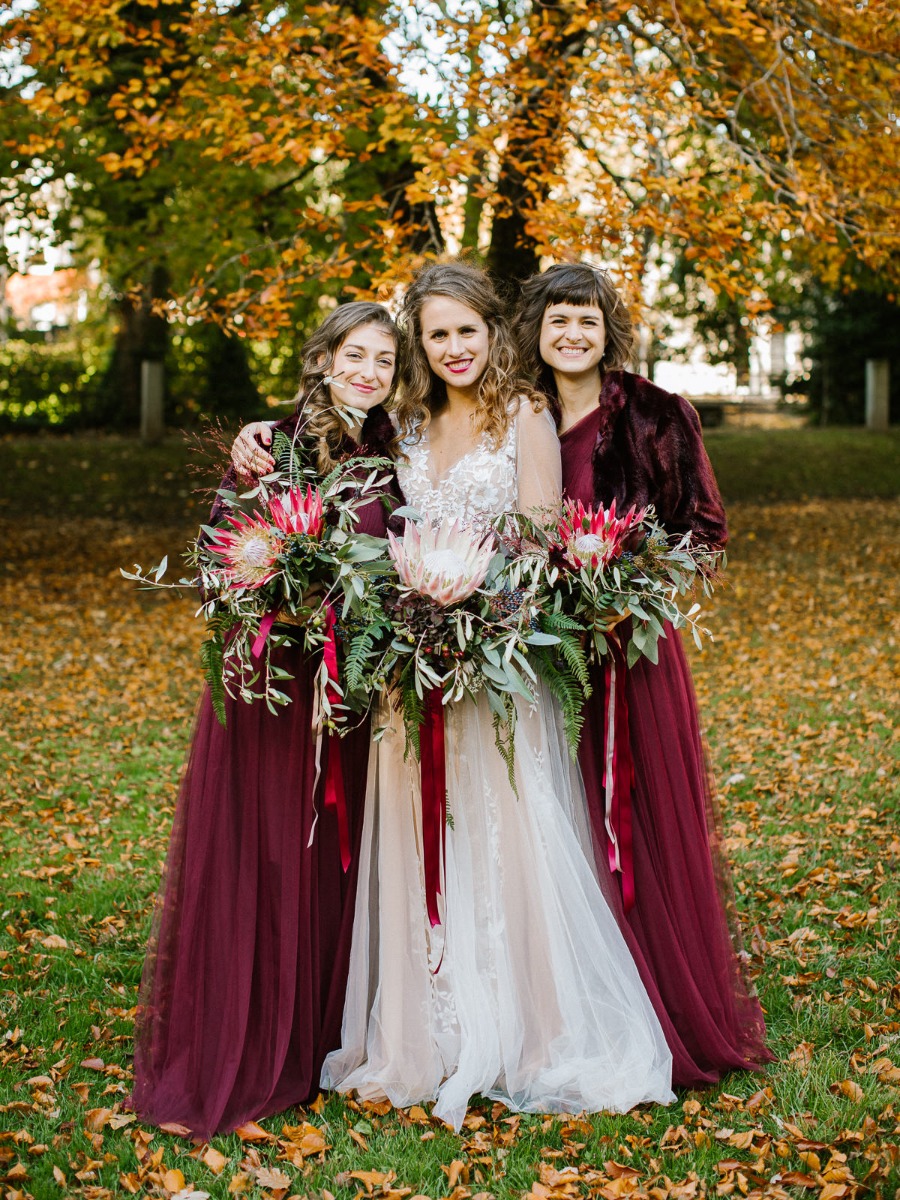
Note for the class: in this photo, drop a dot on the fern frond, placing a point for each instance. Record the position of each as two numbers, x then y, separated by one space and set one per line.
572 652
356 658
569 694
212 653
505 739
413 710
559 622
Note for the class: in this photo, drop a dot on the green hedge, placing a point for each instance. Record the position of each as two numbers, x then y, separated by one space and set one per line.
51 384
77 383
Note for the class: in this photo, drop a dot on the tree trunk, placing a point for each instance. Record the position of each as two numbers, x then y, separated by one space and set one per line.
533 150
142 336
513 254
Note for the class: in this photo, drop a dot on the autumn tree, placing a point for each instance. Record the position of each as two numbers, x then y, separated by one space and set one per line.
93 141
65 133
310 148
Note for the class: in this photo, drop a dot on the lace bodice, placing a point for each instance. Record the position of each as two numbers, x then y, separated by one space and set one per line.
482 483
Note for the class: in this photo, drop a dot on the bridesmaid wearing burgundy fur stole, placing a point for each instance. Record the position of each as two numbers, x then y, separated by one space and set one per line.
243 987
625 439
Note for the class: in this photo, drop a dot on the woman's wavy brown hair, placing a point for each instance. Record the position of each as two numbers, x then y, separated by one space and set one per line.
503 381
570 283
315 407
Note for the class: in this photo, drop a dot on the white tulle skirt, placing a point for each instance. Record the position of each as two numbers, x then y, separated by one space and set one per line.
526 992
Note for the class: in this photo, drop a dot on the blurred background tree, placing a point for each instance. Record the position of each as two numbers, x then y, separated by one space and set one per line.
241 165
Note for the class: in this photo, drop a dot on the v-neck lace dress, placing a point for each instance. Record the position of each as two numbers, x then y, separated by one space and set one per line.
526 992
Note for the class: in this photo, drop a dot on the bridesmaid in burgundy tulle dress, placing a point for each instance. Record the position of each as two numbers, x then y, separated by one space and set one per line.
243 987
626 440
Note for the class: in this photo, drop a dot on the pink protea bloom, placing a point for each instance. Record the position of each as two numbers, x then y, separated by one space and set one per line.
248 549
297 511
595 539
444 562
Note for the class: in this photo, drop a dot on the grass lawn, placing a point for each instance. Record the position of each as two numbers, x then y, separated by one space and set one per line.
98 684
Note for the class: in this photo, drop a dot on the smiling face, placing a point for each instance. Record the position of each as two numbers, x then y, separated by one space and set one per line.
363 368
573 338
456 341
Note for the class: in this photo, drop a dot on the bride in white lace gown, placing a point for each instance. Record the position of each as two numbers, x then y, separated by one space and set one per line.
525 992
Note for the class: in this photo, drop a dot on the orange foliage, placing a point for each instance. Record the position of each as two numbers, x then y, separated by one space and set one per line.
624 130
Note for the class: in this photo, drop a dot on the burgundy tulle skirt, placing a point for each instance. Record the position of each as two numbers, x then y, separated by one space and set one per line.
243 986
681 930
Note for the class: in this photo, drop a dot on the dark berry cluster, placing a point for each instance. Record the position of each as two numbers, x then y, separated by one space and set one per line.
349 627
507 602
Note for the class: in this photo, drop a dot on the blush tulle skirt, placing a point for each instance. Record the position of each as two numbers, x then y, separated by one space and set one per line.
526 991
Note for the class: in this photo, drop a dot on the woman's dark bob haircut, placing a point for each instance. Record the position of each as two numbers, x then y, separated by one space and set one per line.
571 283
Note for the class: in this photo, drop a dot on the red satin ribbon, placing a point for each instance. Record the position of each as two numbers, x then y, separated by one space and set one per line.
434 799
618 772
265 626
335 796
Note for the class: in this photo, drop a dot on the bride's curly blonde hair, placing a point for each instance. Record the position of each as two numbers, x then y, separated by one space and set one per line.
315 408
502 383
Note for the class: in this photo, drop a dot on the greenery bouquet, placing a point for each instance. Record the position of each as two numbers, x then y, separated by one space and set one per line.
283 566
600 568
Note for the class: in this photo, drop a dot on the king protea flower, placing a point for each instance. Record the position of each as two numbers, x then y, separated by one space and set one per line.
443 562
595 539
297 511
248 549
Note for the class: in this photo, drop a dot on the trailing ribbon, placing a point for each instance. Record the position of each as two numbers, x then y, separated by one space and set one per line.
265 627
434 799
335 796
618 771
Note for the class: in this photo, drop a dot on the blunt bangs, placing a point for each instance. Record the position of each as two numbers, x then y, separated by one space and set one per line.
566 284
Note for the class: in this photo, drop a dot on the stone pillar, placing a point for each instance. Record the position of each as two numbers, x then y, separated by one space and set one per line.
778 353
878 398
152 393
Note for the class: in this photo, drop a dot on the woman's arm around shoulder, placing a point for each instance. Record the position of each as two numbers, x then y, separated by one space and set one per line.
248 450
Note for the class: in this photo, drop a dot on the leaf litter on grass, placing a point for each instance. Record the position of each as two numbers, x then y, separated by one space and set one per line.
798 693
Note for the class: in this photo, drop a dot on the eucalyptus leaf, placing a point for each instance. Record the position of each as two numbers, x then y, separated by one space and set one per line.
524 664
491 654
541 639
517 684
632 654
497 674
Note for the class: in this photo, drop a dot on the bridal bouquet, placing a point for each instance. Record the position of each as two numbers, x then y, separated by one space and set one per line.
463 622
458 628
275 570
458 613
602 567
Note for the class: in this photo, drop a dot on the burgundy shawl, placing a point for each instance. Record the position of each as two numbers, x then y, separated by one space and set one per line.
649 449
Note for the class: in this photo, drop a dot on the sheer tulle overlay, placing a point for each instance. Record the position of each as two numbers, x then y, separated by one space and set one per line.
243 984
679 929
682 930
526 992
